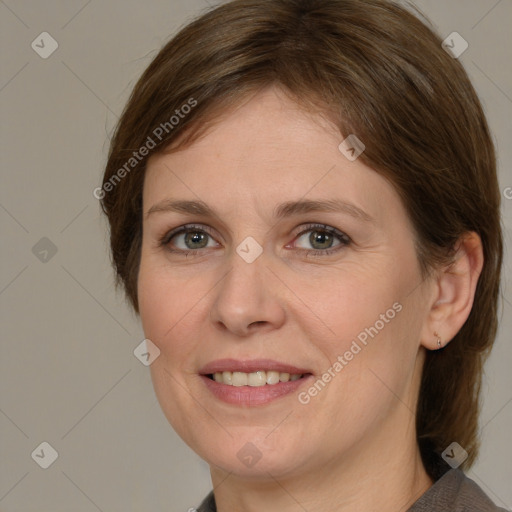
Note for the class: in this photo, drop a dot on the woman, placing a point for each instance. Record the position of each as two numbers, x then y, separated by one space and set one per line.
303 219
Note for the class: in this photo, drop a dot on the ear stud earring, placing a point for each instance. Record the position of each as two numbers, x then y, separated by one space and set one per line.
439 343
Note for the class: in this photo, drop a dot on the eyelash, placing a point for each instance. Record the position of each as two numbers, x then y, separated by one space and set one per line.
191 228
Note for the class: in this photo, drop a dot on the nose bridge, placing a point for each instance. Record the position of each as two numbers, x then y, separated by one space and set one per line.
247 262
243 283
247 294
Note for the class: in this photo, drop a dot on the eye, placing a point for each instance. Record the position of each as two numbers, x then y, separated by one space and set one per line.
188 239
322 238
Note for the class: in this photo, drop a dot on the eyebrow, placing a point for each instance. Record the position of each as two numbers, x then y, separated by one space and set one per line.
283 210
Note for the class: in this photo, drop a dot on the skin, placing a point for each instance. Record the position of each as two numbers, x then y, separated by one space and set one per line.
353 446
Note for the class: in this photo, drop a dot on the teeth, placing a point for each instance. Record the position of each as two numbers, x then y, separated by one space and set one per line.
272 377
254 379
238 379
257 379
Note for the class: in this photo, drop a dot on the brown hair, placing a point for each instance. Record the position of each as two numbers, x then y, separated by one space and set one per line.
380 73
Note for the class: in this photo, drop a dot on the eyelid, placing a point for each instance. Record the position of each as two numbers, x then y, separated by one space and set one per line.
343 237
166 238
323 227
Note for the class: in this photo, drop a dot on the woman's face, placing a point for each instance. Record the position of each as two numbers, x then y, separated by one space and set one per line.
273 284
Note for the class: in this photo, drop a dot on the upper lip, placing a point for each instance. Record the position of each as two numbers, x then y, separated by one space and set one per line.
250 366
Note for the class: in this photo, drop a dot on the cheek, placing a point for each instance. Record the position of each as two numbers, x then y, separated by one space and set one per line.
167 316
353 301
173 307
155 303
163 306
374 322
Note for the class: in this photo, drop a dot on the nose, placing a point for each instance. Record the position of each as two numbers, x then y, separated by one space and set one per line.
248 299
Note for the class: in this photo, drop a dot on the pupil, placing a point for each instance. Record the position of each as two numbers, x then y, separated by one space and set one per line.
323 238
194 238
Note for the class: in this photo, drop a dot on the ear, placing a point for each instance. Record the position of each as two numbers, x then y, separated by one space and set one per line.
453 292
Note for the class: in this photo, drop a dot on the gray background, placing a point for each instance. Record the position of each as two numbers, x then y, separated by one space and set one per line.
68 373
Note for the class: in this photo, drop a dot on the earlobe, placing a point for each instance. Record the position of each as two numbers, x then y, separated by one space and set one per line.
454 293
439 340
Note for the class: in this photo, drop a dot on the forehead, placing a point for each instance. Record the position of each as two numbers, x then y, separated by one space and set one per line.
267 150
267 121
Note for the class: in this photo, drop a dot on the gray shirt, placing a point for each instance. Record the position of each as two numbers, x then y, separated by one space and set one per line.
453 492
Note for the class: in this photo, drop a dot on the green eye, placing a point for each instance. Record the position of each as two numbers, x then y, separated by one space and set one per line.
190 239
322 239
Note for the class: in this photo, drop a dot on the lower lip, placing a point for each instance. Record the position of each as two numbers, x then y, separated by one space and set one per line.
249 395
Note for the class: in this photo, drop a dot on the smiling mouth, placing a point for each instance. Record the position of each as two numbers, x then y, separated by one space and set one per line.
255 379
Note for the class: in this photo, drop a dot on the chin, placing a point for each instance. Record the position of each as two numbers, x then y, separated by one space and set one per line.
254 456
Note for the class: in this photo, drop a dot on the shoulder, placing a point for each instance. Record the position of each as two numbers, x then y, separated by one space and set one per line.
455 492
208 504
